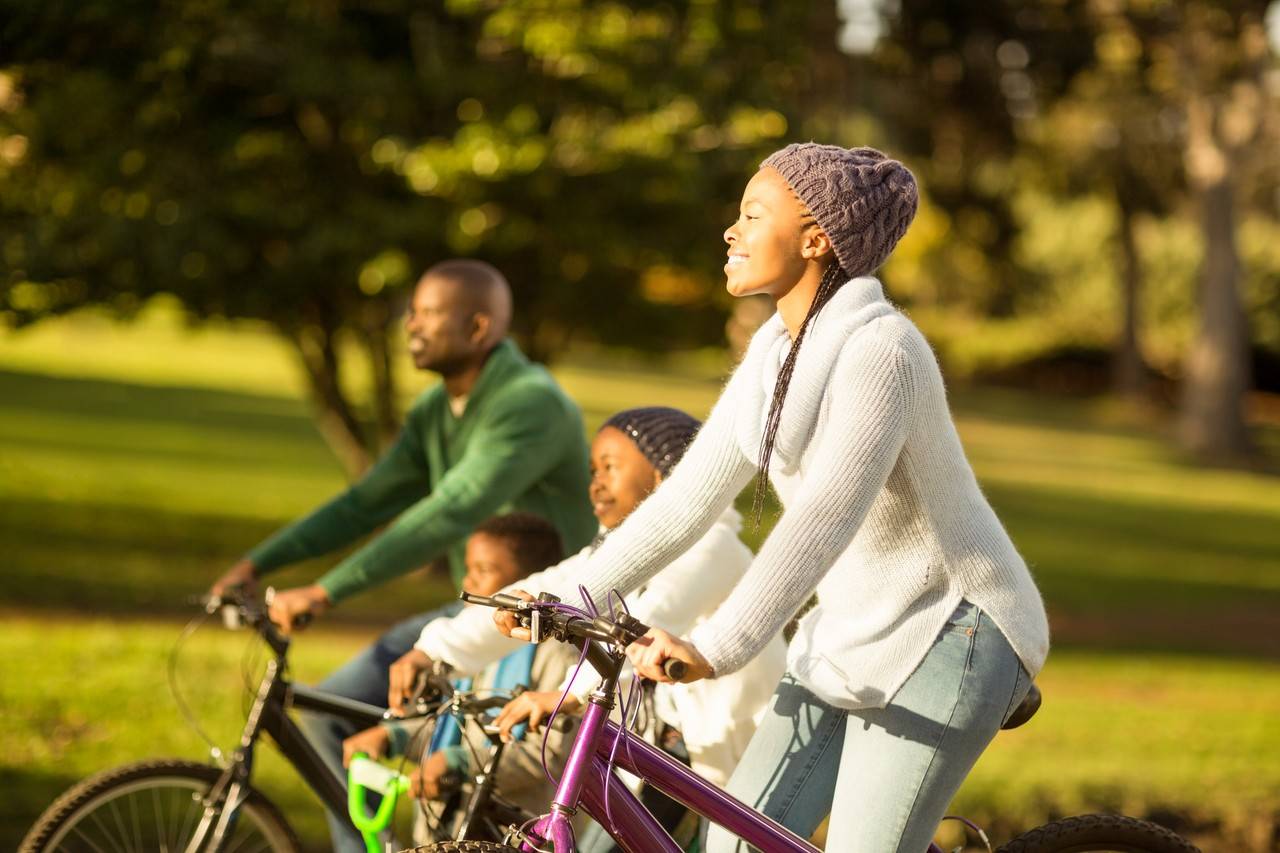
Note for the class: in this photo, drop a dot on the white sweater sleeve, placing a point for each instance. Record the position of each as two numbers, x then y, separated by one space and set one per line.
690 588
695 583
470 641
678 513
873 392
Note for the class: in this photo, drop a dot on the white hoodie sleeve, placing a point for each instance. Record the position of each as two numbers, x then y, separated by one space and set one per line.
690 588
470 641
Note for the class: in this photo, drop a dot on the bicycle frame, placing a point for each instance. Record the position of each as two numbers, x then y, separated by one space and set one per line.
269 713
588 780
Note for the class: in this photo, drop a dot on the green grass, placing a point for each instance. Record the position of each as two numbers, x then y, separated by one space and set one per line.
136 463
106 701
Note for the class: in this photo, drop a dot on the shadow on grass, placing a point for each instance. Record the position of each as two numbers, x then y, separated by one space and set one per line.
132 402
1123 573
105 558
24 794
1134 575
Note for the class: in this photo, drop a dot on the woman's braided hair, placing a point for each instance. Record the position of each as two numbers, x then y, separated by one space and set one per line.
864 202
832 278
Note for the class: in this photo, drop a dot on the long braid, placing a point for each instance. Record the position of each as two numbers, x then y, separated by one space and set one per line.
831 281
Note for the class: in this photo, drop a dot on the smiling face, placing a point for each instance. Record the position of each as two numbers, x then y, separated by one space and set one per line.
491 565
774 241
620 476
445 331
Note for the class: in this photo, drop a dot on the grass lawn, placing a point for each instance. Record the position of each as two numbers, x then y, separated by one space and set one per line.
137 463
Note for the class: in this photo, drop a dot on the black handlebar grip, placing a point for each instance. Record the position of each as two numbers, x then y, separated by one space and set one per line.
302 620
675 669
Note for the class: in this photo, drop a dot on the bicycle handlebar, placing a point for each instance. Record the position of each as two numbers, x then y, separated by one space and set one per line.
622 630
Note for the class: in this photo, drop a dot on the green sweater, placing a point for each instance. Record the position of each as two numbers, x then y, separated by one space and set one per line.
519 446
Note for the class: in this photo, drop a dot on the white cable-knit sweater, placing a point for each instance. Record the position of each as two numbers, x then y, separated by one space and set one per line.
882 514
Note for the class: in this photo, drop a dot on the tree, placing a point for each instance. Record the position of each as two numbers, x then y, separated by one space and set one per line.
300 163
1221 54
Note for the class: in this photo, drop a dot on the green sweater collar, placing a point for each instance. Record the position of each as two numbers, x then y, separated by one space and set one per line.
505 360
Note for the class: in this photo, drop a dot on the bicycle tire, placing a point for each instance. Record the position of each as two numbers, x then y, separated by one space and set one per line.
461 847
1099 833
106 802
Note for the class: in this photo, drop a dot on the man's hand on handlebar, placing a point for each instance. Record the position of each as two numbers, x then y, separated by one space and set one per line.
240 575
402 679
649 653
534 706
292 609
508 623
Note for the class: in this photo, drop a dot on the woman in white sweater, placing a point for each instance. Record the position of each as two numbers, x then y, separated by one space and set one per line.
630 455
928 626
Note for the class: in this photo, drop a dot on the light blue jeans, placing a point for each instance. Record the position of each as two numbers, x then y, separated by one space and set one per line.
885 775
365 679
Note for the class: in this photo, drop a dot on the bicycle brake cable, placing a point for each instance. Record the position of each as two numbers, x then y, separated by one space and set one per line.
183 708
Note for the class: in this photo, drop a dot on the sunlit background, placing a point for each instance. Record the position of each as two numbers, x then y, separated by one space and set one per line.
211 213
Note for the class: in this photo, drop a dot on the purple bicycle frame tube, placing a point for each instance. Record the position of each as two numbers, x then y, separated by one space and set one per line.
587 778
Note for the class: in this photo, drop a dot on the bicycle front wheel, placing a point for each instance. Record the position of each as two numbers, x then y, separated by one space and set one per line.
151 806
1099 833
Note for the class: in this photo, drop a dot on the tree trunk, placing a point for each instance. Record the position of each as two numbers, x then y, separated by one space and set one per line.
1129 370
376 328
334 416
1224 118
1212 421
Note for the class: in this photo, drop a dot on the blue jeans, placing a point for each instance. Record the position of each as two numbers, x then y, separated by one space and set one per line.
892 771
363 678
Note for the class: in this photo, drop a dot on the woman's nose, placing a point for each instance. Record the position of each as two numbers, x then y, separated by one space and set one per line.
730 235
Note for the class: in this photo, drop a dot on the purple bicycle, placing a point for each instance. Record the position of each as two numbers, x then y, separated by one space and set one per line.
590 782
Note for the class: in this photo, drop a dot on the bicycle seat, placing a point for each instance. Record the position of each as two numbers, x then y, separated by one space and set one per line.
1025 710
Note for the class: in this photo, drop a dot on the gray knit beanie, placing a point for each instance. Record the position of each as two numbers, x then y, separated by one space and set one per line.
660 433
862 200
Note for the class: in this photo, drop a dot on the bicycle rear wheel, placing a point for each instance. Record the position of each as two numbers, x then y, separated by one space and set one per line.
1099 833
151 806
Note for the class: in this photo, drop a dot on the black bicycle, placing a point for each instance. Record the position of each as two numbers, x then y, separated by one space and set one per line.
181 806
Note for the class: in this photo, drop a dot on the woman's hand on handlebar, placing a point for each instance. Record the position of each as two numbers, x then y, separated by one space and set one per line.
534 706
649 653
507 622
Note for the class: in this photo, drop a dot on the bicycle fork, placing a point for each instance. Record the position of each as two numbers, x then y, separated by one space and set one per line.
222 802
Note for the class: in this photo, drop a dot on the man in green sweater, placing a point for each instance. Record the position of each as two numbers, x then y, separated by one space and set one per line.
496 435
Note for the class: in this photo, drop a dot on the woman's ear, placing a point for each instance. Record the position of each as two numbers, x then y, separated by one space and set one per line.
814 243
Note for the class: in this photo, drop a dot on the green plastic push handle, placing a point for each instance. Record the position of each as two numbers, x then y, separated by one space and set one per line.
364 775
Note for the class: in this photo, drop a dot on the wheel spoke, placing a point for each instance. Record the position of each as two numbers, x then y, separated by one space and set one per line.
87 839
190 822
106 832
137 824
115 813
158 807
162 835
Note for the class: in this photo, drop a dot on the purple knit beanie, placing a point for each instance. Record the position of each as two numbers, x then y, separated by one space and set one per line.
862 200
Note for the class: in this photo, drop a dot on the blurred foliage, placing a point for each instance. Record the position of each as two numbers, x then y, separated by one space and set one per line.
301 163
297 162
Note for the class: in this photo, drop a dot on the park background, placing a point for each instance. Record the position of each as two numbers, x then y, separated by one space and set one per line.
211 212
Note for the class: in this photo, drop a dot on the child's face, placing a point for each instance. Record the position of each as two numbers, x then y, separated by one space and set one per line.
620 476
491 565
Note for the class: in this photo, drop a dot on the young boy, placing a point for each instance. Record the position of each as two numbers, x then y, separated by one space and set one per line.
500 551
